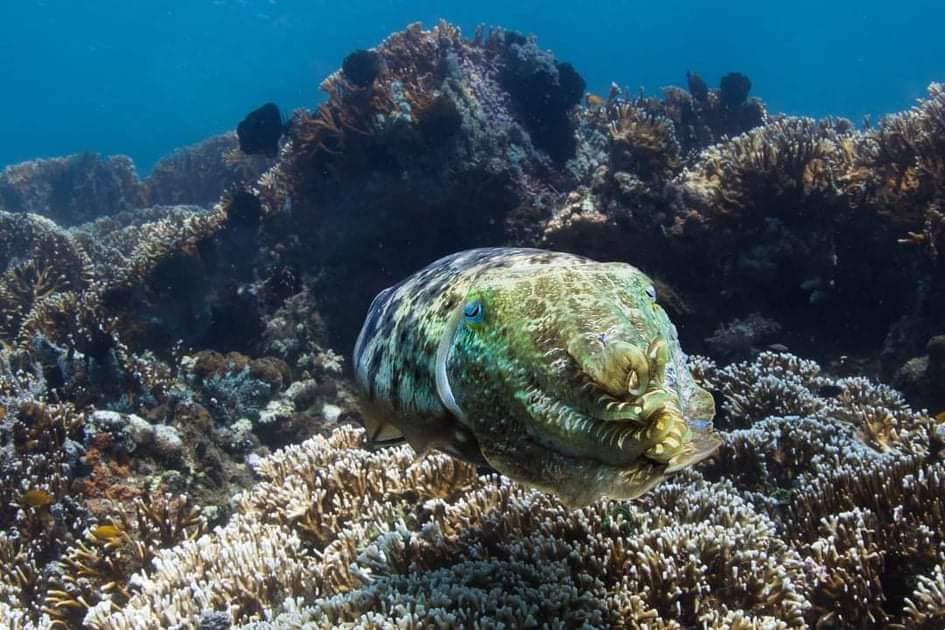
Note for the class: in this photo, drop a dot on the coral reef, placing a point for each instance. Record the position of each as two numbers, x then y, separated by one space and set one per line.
201 173
152 358
818 214
72 189
741 338
351 536
923 378
80 188
437 151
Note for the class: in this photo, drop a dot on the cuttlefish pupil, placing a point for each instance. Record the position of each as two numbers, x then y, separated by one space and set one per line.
558 371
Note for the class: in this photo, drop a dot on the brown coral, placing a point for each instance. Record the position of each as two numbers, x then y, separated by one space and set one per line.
383 531
642 143
899 170
99 567
791 165
39 263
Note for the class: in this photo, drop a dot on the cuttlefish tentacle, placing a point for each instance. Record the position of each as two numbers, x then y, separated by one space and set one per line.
581 435
617 367
657 355
667 433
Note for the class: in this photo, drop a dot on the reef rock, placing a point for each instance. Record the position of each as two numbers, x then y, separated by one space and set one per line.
436 153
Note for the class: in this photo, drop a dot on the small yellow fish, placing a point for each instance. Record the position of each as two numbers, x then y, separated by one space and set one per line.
940 416
106 532
592 100
36 498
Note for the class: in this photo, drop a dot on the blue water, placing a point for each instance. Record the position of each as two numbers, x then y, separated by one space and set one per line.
143 77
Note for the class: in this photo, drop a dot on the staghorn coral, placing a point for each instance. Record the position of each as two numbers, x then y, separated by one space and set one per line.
878 530
39 263
381 539
899 170
779 232
795 162
781 384
350 530
926 607
39 515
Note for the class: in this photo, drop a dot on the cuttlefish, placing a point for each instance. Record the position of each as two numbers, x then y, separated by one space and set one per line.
558 371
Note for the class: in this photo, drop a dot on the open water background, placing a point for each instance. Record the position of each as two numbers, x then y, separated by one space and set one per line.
143 77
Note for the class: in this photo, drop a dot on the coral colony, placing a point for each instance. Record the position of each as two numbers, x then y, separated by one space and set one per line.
182 447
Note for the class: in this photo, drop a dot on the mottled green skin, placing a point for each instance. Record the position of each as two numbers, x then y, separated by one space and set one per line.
573 381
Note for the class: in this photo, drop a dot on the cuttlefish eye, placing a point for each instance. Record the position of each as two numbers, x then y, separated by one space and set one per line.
651 292
473 312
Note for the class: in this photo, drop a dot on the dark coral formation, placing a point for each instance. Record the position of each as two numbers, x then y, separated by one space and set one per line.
153 356
434 154
923 378
830 231
260 131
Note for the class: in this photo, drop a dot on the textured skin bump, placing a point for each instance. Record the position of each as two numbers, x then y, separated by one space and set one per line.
570 379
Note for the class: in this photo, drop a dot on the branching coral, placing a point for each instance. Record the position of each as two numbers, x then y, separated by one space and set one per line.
879 533
817 206
780 384
39 263
789 167
642 143
800 521
899 168
38 514
926 607
359 537
97 569
201 173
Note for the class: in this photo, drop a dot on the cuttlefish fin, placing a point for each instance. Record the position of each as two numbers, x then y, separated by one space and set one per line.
443 433
576 481
380 432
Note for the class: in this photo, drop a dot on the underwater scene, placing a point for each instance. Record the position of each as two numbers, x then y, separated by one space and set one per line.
488 315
